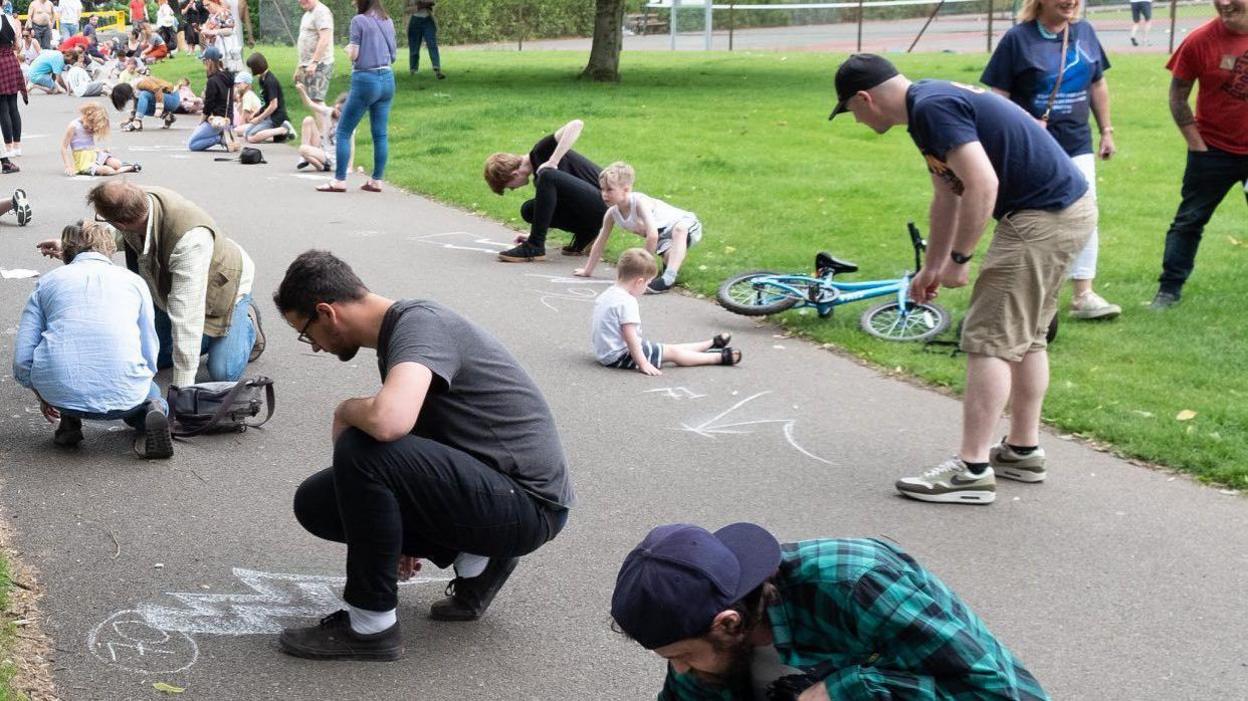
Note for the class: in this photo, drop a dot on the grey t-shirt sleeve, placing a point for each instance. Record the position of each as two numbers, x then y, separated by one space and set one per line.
421 336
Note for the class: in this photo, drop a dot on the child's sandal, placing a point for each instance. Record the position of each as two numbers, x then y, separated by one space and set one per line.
729 356
721 340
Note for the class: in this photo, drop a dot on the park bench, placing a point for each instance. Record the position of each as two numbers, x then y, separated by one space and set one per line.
645 23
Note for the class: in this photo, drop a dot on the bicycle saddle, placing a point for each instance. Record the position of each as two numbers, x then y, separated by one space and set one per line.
824 261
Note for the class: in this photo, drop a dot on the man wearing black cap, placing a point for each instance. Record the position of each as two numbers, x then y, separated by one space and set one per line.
986 157
739 616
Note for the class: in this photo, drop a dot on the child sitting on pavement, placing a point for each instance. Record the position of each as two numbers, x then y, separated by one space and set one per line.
79 151
669 232
246 102
616 328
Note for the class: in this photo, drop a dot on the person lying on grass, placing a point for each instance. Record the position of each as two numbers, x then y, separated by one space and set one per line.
669 232
79 151
616 326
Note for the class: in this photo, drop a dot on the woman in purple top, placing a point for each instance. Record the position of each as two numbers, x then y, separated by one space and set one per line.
372 50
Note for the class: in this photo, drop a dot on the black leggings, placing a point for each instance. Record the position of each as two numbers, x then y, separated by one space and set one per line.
565 202
10 119
420 498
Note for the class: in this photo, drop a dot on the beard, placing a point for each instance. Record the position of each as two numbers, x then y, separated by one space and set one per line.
740 652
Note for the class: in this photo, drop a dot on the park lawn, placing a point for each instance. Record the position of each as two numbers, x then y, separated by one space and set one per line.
743 140
7 633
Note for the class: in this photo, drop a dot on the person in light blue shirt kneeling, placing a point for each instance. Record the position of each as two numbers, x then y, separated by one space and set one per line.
87 345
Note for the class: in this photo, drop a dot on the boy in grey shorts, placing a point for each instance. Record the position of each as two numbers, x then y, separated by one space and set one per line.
669 232
616 329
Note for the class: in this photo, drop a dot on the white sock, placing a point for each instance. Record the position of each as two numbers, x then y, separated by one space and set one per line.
468 565
369 622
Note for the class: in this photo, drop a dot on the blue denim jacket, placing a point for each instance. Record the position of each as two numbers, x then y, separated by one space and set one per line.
87 341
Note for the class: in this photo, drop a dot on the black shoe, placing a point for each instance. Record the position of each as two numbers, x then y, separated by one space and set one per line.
333 639
1134 42
157 440
572 250
1164 300
257 347
524 253
302 164
467 599
68 432
438 72
657 287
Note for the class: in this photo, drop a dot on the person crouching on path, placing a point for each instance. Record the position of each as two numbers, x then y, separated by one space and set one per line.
215 129
271 123
152 97
566 193
987 157
668 231
81 153
616 326
87 346
456 459
739 616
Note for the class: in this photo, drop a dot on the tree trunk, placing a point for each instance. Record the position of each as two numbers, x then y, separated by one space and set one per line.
604 56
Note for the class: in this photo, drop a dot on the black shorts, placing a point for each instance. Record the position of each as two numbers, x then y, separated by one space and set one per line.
1142 10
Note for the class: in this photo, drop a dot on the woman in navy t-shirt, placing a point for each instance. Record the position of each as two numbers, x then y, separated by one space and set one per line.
1025 69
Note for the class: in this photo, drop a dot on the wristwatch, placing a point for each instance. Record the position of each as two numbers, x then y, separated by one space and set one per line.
960 258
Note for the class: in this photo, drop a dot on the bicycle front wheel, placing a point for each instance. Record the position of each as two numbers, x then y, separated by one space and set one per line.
752 294
914 322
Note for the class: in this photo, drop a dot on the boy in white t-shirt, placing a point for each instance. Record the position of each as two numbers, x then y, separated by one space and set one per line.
616 329
669 232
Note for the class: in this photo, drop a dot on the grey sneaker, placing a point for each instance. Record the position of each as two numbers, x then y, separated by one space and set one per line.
950 482
291 133
1090 305
1011 465
1164 300
21 207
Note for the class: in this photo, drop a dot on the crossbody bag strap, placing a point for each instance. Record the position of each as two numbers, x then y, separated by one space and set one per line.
226 404
269 400
1061 72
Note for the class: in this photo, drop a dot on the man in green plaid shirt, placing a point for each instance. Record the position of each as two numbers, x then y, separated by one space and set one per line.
740 617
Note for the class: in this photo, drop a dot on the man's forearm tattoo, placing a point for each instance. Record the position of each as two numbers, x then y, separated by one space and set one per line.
1180 90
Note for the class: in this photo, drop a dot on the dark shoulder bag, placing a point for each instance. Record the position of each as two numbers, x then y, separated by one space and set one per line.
219 407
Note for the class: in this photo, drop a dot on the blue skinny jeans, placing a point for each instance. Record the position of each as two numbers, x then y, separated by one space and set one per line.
371 91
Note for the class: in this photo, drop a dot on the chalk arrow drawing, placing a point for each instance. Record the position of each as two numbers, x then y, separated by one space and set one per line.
576 292
676 393
712 427
273 597
472 238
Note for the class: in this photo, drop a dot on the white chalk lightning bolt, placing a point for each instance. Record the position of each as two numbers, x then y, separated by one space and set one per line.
273 597
712 426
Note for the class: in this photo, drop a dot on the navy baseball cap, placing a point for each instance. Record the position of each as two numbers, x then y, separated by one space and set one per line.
680 577
211 53
860 72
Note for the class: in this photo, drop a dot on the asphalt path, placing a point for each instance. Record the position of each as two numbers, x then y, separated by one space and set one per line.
1111 581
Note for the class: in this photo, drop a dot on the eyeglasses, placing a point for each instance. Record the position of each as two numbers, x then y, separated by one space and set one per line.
303 333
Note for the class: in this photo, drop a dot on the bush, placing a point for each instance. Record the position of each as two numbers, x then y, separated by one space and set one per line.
479 21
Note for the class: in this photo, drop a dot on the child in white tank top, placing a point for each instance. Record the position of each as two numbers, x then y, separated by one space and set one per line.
669 231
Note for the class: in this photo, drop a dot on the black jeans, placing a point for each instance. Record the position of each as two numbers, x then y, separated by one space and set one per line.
1205 182
418 29
10 119
564 202
420 498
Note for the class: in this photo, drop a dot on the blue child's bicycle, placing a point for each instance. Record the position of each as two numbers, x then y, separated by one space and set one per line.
900 319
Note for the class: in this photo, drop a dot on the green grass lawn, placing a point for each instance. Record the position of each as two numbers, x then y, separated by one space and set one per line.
743 140
7 668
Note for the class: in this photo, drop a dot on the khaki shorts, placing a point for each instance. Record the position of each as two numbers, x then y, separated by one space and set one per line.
317 84
1015 296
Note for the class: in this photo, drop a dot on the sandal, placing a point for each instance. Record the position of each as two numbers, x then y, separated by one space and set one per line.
721 340
368 187
329 188
9 167
729 356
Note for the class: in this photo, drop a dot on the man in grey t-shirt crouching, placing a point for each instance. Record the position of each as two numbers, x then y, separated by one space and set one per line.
456 459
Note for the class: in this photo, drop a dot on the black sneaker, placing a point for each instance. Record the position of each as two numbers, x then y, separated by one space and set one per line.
1164 300
157 440
21 207
333 639
524 253
68 432
572 250
657 287
257 347
302 164
467 599
1134 42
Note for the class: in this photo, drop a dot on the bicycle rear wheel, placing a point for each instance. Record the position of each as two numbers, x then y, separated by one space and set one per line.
751 294
915 322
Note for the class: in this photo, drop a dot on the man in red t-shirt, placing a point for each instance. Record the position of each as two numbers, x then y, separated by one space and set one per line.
138 12
1216 56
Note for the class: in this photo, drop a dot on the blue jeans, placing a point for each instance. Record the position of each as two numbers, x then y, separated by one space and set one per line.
145 103
422 28
43 81
205 137
1207 179
135 417
68 29
372 91
227 355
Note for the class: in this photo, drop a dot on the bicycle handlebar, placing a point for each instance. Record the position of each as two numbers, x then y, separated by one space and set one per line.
919 245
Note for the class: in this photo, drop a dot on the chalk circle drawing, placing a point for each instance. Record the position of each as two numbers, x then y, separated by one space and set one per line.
126 640
576 289
716 425
461 241
156 638
675 393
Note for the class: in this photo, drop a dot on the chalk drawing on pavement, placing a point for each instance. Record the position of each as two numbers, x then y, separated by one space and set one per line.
461 241
720 424
151 637
575 289
675 393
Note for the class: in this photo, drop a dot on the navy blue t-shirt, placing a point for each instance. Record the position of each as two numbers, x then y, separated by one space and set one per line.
1025 66
1032 170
